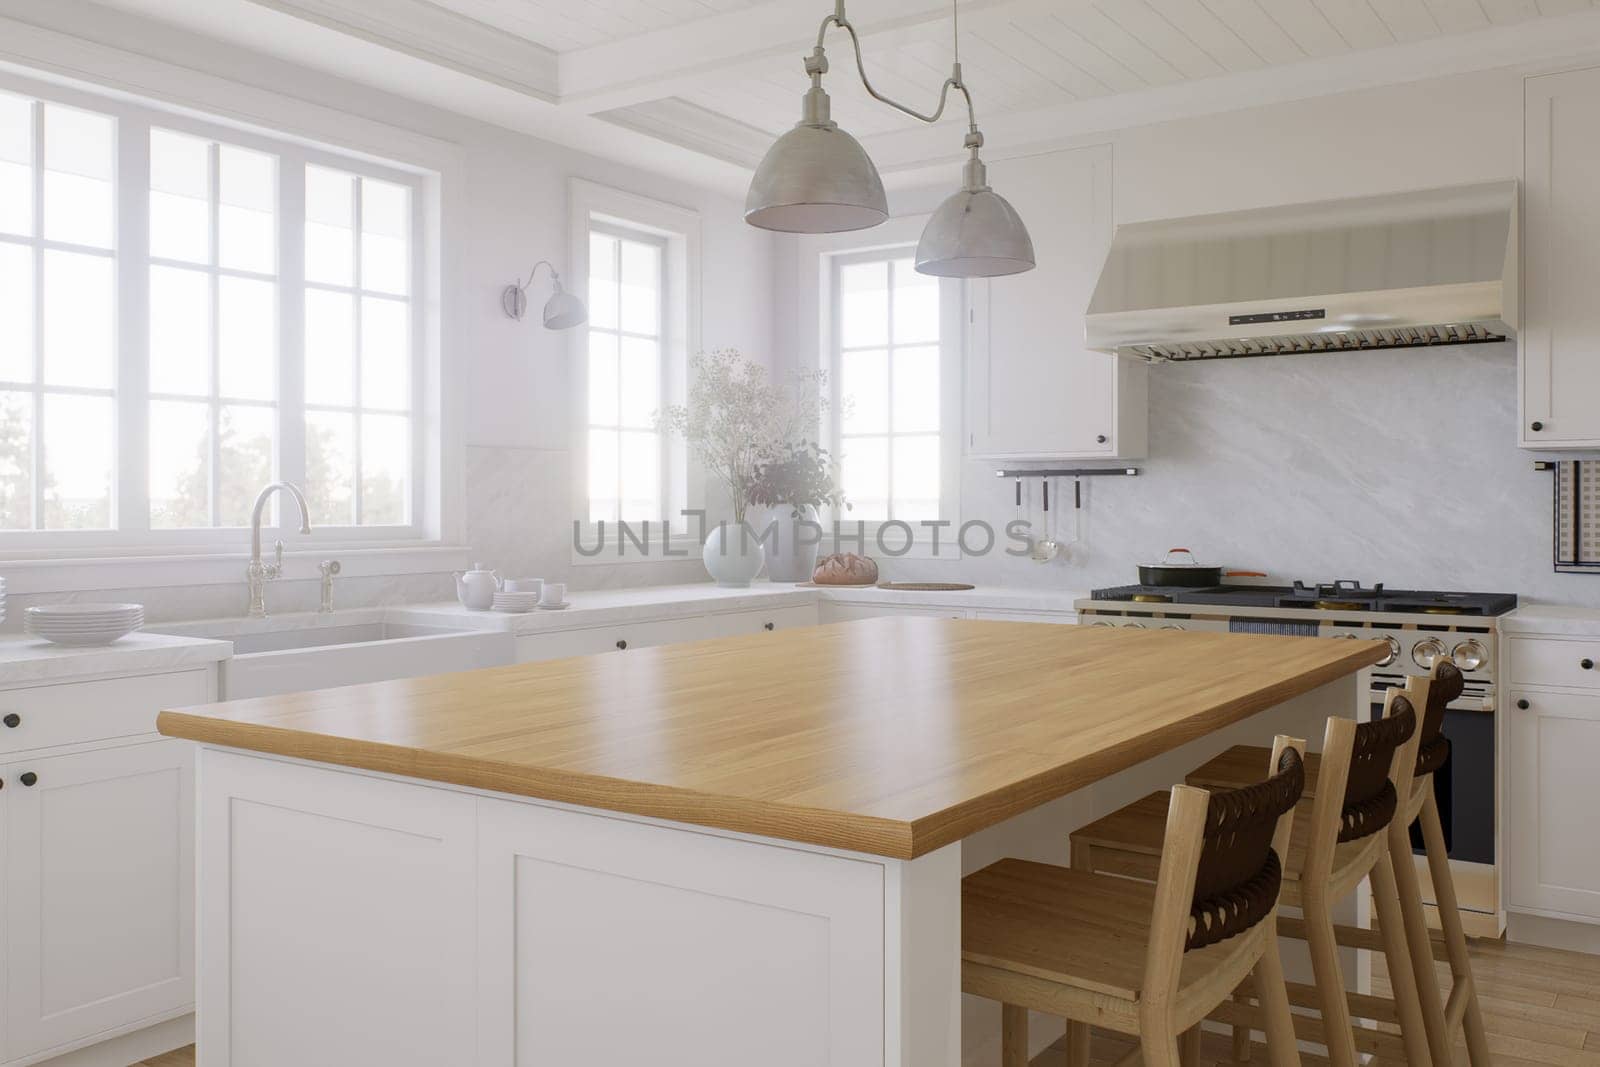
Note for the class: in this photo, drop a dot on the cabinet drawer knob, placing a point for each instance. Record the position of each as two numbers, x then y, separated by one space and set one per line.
769 626
622 644
1536 427
1586 664
28 778
1099 438
13 720
1522 705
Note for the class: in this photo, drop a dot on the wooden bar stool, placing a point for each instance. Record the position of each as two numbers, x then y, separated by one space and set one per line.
1148 960
1340 839
1433 694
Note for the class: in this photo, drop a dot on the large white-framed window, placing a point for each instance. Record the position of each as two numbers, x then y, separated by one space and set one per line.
890 341
888 386
189 310
636 262
58 268
628 364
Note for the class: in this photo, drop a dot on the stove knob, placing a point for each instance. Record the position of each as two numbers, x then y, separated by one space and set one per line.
1394 652
1469 655
1424 652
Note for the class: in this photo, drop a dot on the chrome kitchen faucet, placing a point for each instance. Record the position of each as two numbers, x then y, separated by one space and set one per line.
258 574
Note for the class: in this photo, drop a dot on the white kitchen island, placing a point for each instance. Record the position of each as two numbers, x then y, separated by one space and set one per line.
733 852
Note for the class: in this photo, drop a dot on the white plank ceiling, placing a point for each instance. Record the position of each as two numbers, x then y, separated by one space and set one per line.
1017 55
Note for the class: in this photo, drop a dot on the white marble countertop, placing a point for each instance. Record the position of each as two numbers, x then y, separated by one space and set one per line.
1556 619
604 607
26 660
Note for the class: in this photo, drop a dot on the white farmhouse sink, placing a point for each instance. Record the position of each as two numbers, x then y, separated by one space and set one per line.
292 653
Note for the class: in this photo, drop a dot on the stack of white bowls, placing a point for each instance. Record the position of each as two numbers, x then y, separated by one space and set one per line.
515 602
83 624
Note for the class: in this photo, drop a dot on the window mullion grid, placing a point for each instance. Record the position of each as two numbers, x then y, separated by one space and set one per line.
888 416
38 314
291 437
358 188
616 244
133 324
214 333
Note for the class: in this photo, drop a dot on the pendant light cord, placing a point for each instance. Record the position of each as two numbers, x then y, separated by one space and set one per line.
839 19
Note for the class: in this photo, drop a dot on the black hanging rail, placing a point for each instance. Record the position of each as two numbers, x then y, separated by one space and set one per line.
1070 472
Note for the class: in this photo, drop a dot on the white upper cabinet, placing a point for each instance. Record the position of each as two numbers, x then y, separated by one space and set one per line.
1034 391
1560 360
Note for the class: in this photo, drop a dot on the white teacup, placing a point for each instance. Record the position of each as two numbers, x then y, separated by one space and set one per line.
555 593
525 585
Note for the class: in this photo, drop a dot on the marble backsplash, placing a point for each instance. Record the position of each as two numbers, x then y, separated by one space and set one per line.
1395 466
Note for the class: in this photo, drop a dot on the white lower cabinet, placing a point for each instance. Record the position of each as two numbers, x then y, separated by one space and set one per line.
96 862
587 641
834 611
1553 753
99 892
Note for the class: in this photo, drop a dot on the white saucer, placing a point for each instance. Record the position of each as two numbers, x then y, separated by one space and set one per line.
563 606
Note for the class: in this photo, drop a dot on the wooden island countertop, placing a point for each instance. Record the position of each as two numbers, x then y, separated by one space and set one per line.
892 736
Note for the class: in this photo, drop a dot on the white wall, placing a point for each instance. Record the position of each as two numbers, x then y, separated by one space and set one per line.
512 377
1396 466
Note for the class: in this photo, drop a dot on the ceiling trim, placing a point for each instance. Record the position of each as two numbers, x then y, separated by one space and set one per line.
1545 40
429 32
685 123
664 62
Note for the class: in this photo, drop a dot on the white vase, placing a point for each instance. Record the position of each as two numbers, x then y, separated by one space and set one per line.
790 545
732 555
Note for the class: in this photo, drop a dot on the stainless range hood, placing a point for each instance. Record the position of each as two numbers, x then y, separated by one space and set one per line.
1435 267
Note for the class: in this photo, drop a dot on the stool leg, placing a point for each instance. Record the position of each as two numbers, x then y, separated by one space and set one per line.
1077 1044
1240 1035
1427 976
1013 1036
1189 1047
1159 1048
1455 938
1283 1049
1330 978
1391 925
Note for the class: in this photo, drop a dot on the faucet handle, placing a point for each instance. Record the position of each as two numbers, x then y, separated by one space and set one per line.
275 568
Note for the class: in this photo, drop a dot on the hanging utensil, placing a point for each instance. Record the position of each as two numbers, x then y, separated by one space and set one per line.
1046 550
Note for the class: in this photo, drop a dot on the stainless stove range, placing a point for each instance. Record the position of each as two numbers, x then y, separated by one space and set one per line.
1419 626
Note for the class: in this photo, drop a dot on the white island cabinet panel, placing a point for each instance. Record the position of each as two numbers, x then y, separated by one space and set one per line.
98 892
604 940
1559 372
1035 392
346 931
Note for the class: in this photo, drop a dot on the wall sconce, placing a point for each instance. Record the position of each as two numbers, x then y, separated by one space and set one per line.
561 312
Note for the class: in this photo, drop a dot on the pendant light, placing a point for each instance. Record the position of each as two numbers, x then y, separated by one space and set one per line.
818 179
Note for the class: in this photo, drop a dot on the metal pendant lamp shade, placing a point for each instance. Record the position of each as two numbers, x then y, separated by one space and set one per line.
975 233
816 179
564 310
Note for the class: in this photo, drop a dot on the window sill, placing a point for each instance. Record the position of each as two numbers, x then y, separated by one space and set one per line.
71 574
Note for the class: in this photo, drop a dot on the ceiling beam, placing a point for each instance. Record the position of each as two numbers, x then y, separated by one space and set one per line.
665 62
430 32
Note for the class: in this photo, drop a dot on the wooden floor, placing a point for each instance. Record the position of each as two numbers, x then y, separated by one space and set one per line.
1542 1007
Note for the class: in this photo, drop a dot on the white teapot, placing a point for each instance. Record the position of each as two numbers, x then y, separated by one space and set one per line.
476 588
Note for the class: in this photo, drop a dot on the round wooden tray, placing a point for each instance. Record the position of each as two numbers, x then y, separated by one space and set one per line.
926 587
